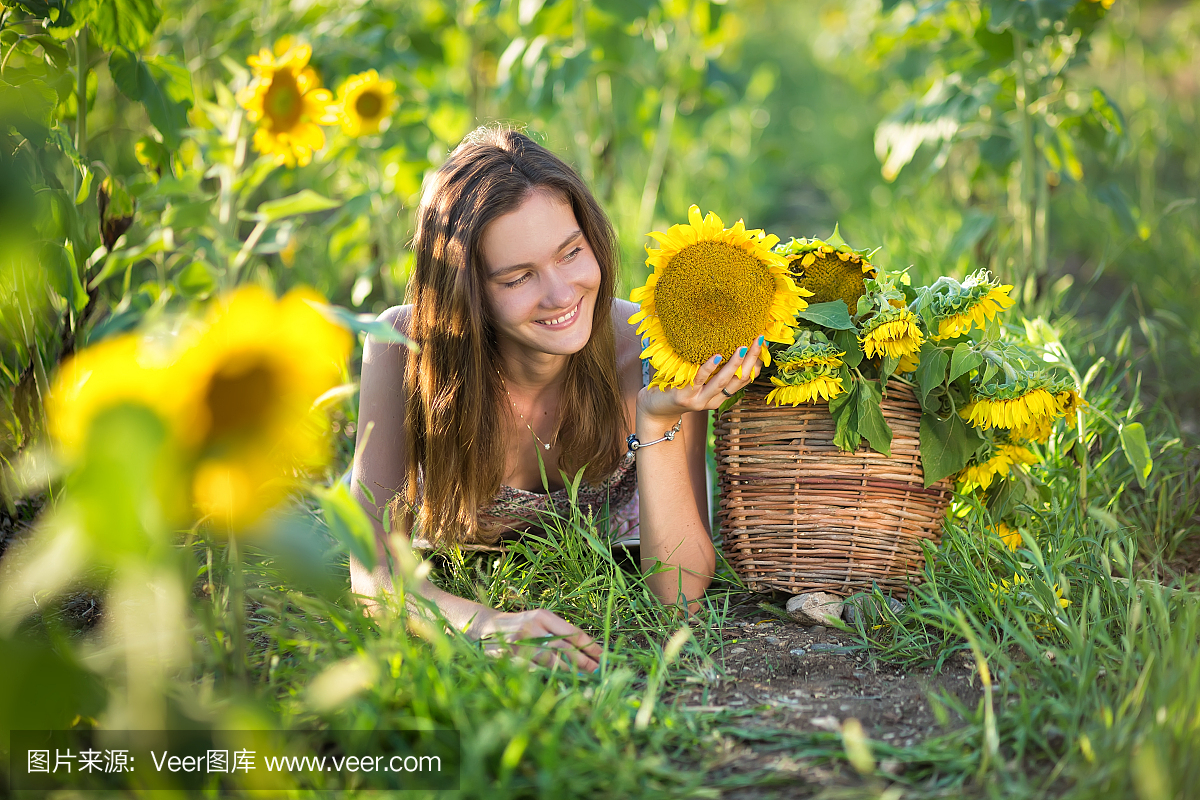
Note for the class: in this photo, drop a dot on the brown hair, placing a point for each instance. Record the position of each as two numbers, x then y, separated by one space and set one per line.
453 393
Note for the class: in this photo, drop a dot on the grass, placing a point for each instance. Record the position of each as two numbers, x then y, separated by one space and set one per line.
1095 699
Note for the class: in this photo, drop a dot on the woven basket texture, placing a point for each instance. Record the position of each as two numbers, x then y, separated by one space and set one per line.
799 515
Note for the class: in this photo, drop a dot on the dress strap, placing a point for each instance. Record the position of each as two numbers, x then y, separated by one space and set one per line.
645 372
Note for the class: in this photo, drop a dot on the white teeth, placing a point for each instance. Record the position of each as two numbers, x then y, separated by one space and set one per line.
563 318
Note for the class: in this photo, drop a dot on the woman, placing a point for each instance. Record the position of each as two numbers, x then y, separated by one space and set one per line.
525 353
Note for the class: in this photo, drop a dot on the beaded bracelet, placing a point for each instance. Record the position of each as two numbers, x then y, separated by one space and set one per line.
634 444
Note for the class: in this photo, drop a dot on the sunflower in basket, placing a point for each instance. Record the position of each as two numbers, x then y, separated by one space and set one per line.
808 371
956 308
890 329
830 269
1026 405
713 290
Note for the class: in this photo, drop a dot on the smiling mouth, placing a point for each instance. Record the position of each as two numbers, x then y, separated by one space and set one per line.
559 320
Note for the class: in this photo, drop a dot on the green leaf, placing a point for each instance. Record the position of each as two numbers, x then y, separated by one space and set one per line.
124 23
28 107
349 523
1133 442
303 202
833 315
625 10
974 226
963 361
848 341
946 446
161 84
871 423
731 401
197 278
364 323
844 409
931 372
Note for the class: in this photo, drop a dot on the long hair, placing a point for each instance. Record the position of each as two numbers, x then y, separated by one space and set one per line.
453 423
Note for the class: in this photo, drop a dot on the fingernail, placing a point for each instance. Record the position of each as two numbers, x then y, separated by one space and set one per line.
760 340
597 669
743 351
716 359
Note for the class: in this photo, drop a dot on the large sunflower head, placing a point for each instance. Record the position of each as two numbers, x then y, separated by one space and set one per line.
713 290
830 269
287 101
252 377
366 103
955 307
893 333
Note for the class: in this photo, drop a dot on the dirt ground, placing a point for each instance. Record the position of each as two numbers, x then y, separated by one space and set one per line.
783 676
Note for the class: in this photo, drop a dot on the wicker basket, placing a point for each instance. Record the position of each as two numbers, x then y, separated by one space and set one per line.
799 515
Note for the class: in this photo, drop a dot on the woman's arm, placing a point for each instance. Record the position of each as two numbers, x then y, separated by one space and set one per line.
674 533
379 454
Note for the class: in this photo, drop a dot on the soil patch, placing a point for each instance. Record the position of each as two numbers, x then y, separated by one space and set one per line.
780 675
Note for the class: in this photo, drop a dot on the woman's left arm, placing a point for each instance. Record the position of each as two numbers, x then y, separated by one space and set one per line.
674 532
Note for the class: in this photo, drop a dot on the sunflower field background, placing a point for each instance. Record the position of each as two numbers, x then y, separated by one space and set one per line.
177 179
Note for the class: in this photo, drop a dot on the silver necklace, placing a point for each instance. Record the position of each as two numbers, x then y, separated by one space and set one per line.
522 416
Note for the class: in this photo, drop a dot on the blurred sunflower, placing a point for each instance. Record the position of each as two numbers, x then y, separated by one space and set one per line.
287 101
831 270
111 373
252 377
713 290
892 333
806 387
957 307
366 102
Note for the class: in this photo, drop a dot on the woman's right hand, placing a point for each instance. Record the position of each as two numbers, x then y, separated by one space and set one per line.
539 635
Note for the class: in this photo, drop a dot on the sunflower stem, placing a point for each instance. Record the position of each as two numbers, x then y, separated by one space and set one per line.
1027 159
81 74
247 246
237 601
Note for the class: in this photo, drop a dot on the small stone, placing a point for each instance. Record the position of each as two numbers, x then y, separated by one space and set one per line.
826 647
737 650
815 608
772 640
861 603
798 652
827 723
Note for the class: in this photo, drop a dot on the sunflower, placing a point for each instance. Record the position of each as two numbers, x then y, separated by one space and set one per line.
1004 456
957 307
909 362
1021 406
286 100
808 387
1010 537
892 334
712 291
252 377
366 102
831 270
811 350
117 371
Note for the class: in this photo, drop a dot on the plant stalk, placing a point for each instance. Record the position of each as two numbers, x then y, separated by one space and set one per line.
658 159
81 75
237 602
1028 157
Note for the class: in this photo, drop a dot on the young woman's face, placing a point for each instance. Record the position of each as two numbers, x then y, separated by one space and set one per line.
543 277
